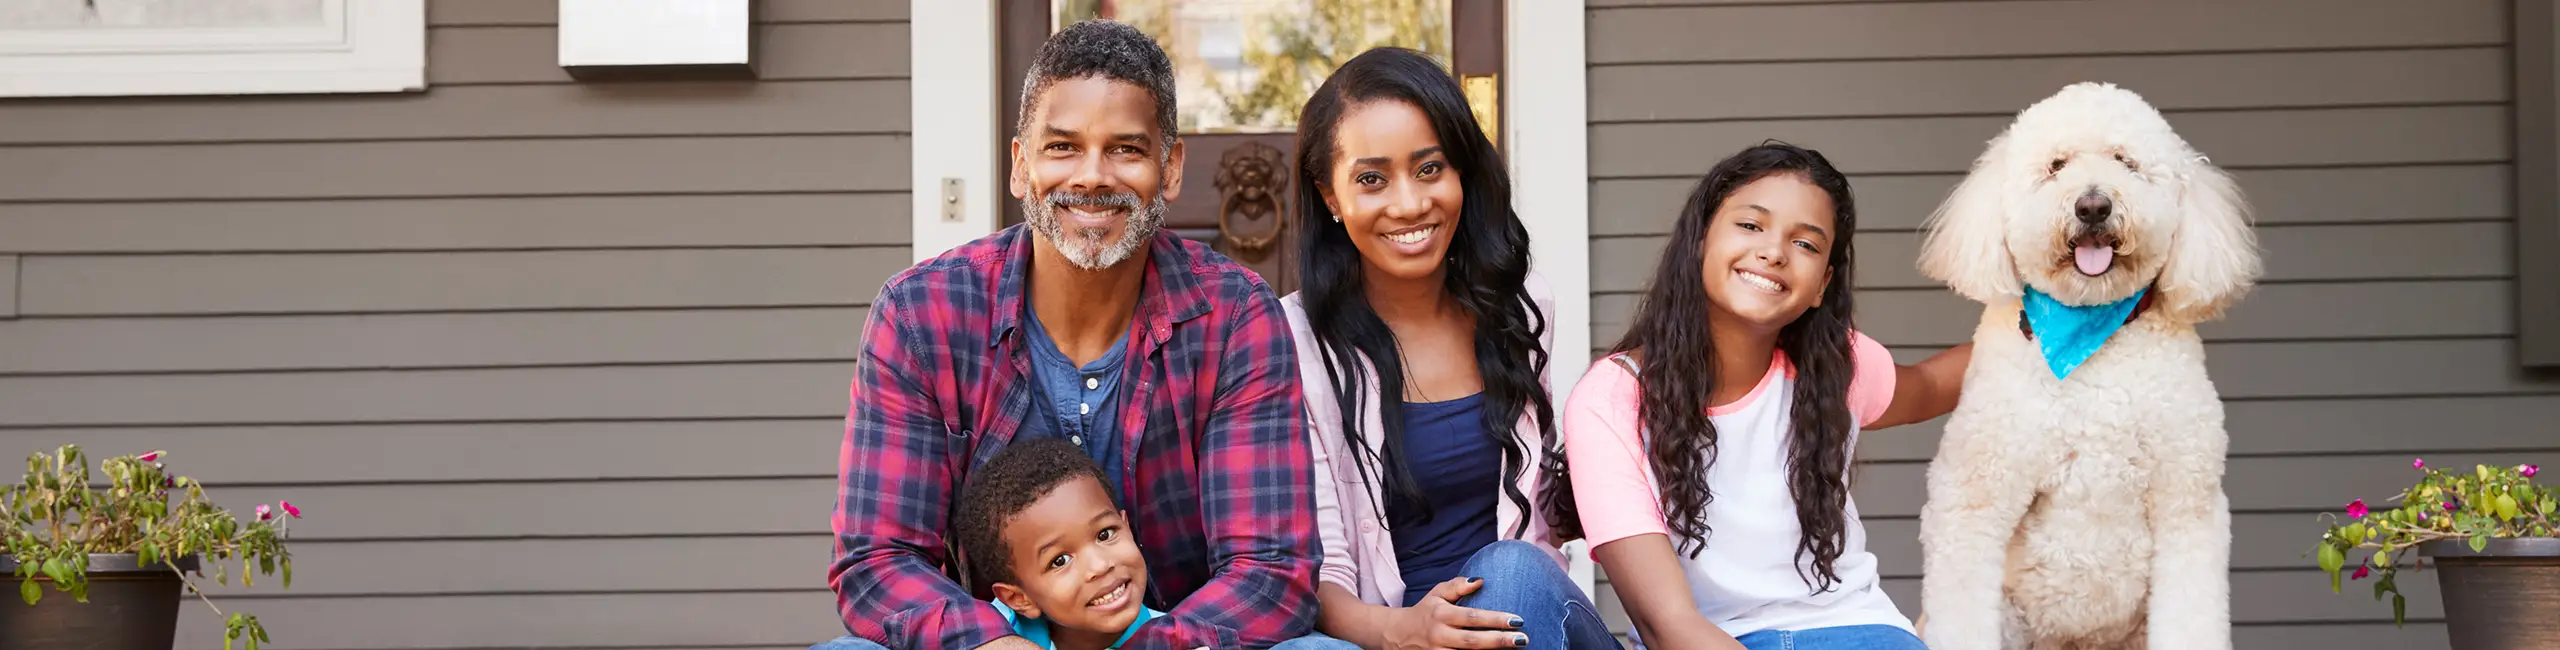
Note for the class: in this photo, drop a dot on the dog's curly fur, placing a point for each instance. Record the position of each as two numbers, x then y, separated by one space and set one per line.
2088 512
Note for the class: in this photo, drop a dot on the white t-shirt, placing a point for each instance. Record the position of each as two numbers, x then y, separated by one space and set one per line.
1747 576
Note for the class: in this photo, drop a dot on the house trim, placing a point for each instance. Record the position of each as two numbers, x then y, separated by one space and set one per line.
366 46
2537 181
955 82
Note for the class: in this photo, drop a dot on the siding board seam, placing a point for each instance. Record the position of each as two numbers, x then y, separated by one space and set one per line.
2262 283
473 310
2052 55
530 249
285 370
1960 171
2445 221
473 84
458 197
698 135
5 427
2496 47
2169 112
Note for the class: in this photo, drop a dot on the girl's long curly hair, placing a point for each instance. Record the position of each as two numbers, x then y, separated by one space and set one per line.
1670 327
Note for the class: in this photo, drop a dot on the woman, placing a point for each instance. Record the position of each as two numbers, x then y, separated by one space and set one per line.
1422 339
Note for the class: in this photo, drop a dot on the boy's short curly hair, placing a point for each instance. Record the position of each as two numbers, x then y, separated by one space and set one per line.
1008 484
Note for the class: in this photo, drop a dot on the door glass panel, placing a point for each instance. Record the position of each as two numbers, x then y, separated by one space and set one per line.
1246 66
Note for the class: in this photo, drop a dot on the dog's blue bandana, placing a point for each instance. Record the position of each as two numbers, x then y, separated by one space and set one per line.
2069 334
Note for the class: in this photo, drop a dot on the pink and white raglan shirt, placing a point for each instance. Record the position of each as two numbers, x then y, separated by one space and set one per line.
1748 576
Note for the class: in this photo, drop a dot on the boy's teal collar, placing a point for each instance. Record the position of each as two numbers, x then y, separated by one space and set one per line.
1036 630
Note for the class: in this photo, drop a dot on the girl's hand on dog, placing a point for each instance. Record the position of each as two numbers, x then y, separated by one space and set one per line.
1437 622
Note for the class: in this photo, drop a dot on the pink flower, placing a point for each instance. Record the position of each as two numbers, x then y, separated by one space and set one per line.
2356 510
263 514
150 457
2362 571
2529 470
290 510
2449 507
2422 515
2419 463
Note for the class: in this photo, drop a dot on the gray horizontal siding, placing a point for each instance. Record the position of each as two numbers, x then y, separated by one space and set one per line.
2372 136
870 106
593 449
547 364
601 164
419 224
458 280
1900 30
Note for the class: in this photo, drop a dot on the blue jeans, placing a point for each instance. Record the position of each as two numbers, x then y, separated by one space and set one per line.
1312 641
1860 637
1522 580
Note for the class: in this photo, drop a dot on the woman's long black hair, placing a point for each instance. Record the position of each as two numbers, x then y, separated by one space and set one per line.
1486 273
1670 328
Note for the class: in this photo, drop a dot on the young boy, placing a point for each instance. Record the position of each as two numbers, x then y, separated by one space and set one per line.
1039 529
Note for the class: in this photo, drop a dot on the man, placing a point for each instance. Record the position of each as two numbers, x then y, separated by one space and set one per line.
1168 363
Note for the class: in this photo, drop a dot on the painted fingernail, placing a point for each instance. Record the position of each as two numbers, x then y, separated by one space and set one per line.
1519 640
1517 623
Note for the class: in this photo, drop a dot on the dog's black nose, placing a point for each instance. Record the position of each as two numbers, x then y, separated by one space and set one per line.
2094 207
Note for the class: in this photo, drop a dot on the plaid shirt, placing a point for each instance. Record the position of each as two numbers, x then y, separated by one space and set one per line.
1219 487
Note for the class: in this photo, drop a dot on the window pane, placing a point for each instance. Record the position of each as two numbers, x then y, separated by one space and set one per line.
1245 66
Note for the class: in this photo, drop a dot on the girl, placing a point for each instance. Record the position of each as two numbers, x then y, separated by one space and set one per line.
1710 449
1422 341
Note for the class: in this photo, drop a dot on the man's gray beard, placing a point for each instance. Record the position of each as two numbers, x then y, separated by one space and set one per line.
1086 250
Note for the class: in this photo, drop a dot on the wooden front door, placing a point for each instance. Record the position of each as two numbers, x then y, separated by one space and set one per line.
1242 70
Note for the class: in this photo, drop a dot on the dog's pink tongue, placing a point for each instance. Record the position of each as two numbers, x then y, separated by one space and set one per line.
2093 260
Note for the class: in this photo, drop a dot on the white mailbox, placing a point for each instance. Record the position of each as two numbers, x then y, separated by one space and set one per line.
657 38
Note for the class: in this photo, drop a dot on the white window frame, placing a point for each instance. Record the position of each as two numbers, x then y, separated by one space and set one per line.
360 46
955 90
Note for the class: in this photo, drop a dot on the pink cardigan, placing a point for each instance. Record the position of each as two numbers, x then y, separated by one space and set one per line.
1359 552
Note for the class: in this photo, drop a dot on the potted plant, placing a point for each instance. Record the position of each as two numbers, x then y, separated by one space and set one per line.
2494 536
118 554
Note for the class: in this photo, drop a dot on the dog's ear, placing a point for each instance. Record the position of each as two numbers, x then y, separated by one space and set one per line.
2213 257
1967 243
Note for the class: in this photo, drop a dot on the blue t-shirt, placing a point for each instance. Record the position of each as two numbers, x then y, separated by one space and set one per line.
1084 402
1036 630
1460 469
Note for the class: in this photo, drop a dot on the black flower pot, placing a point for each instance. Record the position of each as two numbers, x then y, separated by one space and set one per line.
131 607
2503 597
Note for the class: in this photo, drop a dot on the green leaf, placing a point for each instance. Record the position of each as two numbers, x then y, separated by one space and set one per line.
2330 560
2479 543
2354 534
2506 506
288 573
2399 610
28 590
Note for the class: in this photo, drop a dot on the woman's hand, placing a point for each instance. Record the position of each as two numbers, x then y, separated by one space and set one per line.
1437 622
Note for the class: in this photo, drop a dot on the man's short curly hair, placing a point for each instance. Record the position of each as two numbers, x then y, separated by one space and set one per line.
1106 49
1008 484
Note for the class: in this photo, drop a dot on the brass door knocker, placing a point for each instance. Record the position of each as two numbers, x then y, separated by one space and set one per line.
1251 178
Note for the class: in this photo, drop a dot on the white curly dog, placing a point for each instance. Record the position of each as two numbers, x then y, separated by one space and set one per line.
2085 510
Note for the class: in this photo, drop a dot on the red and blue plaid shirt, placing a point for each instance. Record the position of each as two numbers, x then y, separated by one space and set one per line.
1219 487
